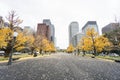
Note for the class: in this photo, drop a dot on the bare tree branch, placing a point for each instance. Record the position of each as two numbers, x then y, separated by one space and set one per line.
13 19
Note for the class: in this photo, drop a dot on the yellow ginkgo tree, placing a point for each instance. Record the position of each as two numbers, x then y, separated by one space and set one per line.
85 45
5 36
101 43
92 34
6 41
42 44
70 48
93 42
39 43
23 41
46 47
53 49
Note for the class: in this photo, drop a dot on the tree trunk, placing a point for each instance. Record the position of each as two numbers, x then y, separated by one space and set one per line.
8 50
94 48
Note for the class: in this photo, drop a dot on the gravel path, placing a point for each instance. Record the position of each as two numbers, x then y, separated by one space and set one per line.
61 66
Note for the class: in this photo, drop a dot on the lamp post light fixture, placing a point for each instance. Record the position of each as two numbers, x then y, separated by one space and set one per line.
15 34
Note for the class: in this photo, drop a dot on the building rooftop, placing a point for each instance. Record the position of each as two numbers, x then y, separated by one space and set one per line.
89 22
110 27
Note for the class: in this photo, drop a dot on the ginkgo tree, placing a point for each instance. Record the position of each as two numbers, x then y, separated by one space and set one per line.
41 43
46 47
13 21
20 43
23 41
70 48
93 42
101 43
53 49
85 45
5 40
92 34
38 43
5 36
7 43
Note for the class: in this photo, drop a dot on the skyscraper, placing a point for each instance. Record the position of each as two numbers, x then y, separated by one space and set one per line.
1 22
52 29
73 29
76 38
110 27
28 30
90 24
43 30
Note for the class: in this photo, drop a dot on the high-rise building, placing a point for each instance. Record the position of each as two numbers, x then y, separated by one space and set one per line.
90 24
110 27
76 38
47 21
73 29
43 30
52 29
28 31
1 22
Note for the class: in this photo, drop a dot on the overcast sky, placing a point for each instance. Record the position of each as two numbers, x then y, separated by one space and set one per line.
62 13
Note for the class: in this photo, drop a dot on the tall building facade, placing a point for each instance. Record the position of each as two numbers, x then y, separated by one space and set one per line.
75 35
43 30
1 22
76 39
110 27
73 29
90 24
52 29
28 31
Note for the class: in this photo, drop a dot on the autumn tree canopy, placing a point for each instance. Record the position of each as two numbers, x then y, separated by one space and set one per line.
21 41
41 43
70 48
93 42
5 36
14 21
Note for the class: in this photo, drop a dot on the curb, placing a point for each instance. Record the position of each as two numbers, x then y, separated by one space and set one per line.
106 59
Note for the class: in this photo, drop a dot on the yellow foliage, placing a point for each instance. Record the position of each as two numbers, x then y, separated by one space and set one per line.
23 41
91 32
30 39
70 48
92 40
101 42
41 43
38 43
52 47
20 43
5 36
46 44
85 44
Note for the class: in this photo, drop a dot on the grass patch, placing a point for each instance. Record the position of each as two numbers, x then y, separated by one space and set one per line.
109 57
2 58
103 57
86 55
24 55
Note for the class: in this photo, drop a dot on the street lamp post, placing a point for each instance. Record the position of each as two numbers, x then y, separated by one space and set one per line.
13 41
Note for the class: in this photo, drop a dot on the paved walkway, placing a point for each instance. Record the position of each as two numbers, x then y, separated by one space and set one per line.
61 66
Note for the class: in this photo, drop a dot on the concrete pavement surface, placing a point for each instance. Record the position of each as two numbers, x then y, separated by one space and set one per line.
60 66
